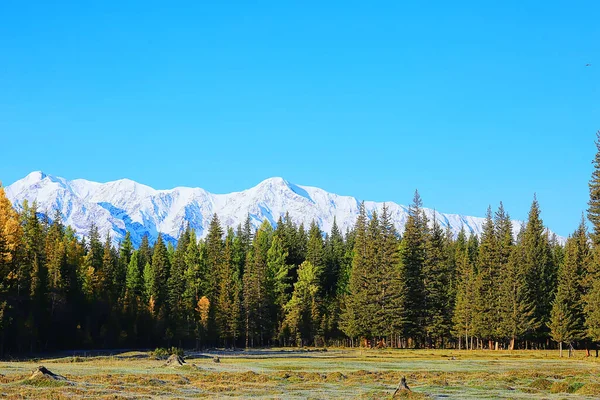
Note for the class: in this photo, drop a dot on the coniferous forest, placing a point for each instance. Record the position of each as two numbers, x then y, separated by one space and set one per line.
293 285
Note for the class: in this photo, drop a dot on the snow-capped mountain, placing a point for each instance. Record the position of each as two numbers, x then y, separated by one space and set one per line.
124 205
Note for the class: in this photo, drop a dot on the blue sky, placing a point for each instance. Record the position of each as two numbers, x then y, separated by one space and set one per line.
469 103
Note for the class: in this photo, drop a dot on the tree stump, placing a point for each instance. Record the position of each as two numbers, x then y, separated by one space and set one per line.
42 372
401 386
174 361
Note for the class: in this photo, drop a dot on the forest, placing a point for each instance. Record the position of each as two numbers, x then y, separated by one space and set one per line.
290 285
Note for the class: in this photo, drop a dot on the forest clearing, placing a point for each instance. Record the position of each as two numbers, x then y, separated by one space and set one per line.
308 374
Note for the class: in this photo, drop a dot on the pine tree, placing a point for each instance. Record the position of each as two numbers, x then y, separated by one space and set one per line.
464 309
125 252
334 259
134 280
486 315
592 312
314 247
276 263
145 251
437 284
566 317
214 254
258 290
389 317
412 259
160 274
228 302
303 310
540 273
518 317
108 271
355 319
594 202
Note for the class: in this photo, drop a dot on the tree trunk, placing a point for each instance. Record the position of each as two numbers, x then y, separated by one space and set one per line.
560 348
512 343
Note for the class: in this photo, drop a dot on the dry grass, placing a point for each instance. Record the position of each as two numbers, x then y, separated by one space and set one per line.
367 374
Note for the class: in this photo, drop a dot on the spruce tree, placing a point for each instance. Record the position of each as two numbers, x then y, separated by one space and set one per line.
258 290
437 314
486 317
412 259
160 274
303 310
314 247
594 201
566 318
334 259
355 318
518 312
388 317
539 270
276 263
214 254
228 303
464 309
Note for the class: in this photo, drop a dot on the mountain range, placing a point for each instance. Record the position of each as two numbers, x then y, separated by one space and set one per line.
124 205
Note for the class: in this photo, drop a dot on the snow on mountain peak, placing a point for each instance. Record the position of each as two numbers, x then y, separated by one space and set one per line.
125 205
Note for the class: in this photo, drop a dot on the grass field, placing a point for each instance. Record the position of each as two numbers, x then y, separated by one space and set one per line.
283 373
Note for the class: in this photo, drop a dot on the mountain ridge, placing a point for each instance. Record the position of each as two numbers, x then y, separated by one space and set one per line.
126 205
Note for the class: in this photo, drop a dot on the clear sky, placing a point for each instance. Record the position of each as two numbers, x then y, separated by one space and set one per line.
469 103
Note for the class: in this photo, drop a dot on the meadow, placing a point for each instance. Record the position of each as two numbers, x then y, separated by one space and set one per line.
309 374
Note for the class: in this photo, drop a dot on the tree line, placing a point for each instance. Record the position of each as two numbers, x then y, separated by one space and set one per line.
292 286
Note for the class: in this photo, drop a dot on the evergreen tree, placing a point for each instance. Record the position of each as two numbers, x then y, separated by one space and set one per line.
539 270
125 252
229 302
214 257
594 201
486 317
314 247
412 259
303 310
276 263
464 309
436 277
518 317
355 319
159 275
334 259
258 290
389 317
566 317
